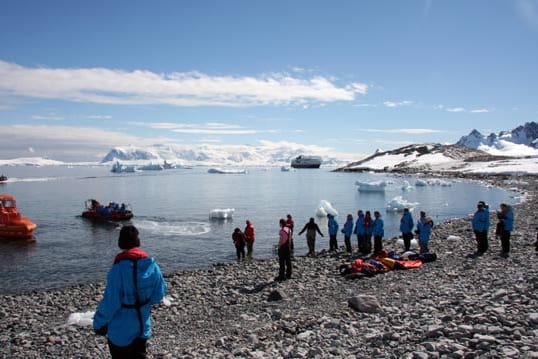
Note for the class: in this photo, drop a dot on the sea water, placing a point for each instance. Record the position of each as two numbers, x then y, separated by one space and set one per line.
171 210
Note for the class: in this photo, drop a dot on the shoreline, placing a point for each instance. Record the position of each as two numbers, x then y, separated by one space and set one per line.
485 307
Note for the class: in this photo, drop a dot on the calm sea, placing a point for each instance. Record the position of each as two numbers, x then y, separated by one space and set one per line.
172 208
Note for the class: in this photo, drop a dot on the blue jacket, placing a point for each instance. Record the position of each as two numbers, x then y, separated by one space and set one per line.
508 220
424 231
377 229
359 225
480 220
348 228
123 324
333 226
406 223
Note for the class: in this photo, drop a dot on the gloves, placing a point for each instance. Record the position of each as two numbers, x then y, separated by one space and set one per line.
101 331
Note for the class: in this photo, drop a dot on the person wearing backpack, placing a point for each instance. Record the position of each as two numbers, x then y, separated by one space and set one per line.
424 229
284 251
134 284
506 224
238 238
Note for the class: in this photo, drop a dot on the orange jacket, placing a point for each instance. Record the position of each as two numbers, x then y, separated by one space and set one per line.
249 233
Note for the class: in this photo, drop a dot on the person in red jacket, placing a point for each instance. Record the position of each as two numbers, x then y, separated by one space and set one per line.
249 237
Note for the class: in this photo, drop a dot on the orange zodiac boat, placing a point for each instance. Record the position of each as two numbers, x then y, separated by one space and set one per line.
12 224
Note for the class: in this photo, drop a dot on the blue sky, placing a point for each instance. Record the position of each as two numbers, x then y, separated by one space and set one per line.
78 77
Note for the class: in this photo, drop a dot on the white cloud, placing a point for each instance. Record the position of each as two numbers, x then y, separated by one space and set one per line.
528 10
397 104
4 107
456 109
50 116
409 131
110 86
480 110
99 117
210 128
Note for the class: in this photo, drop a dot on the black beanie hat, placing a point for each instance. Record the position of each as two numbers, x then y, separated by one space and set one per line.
128 237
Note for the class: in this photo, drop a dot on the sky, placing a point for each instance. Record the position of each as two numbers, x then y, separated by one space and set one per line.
79 77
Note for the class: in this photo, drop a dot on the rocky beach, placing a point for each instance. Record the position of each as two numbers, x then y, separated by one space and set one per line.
455 307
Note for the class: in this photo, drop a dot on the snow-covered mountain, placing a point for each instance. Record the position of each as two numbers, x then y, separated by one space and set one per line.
521 141
265 154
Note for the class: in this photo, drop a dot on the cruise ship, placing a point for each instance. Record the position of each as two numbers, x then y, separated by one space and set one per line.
306 162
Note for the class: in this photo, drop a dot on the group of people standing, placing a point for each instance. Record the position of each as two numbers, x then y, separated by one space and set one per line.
481 223
244 239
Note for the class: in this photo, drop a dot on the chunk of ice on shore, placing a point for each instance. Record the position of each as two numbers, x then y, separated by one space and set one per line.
84 319
414 243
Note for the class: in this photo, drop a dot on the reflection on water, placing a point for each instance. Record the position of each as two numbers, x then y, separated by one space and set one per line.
171 210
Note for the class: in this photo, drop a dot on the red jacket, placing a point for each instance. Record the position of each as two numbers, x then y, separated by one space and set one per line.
249 233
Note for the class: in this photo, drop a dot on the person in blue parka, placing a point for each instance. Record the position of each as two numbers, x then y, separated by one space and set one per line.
506 224
424 229
378 232
348 230
134 284
406 227
359 230
333 231
480 225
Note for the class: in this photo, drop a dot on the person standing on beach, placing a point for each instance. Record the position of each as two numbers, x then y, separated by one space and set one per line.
406 227
348 230
359 230
134 284
284 251
291 224
424 229
238 238
506 224
378 232
333 231
480 225
311 228
368 227
250 237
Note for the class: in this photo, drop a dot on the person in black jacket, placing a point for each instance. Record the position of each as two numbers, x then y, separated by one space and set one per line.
311 228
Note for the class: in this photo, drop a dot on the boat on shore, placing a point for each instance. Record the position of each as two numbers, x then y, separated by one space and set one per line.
306 162
111 212
12 224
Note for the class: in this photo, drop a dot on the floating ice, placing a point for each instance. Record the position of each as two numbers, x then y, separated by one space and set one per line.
421 183
406 186
377 186
325 208
432 182
225 213
397 204
227 171
81 319
285 169
174 228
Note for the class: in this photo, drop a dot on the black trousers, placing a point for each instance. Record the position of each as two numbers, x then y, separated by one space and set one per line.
347 241
333 245
284 261
378 244
367 243
505 241
481 242
136 350
407 237
240 252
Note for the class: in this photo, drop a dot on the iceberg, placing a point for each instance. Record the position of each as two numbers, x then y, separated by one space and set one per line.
217 213
325 208
398 203
406 186
377 186
226 171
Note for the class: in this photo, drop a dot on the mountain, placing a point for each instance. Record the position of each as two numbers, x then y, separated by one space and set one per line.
266 154
521 141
